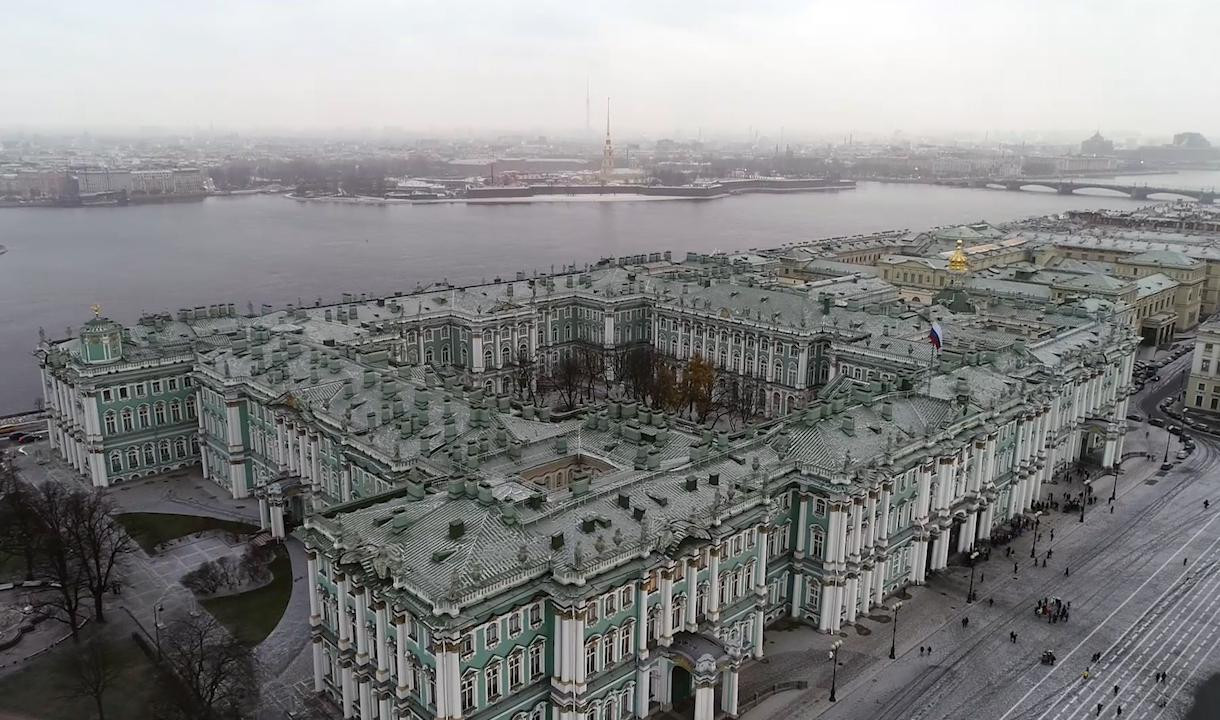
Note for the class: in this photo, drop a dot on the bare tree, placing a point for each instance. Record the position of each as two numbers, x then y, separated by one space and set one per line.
92 672
212 674
568 380
525 375
18 525
100 543
51 507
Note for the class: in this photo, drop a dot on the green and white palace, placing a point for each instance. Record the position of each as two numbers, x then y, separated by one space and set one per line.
471 555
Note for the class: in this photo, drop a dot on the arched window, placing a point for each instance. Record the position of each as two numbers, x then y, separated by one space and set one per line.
591 656
143 413
190 406
445 355
609 647
150 457
159 413
111 425
133 458
116 462
488 357
627 639
175 411
128 421
506 356
179 448
428 356
818 544
163 450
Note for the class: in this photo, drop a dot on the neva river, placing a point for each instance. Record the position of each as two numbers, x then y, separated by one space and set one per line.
264 249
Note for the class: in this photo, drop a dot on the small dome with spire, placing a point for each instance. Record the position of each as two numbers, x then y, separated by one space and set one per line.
959 264
101 339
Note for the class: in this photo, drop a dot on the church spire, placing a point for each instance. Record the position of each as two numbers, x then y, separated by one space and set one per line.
608 151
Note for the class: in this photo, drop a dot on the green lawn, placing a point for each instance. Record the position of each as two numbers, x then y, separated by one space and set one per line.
251 616
152 529
41 689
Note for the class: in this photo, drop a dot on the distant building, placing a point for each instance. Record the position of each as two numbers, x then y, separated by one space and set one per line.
1203 387
1097 145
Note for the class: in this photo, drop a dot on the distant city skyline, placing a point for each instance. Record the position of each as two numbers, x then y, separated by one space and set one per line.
803 71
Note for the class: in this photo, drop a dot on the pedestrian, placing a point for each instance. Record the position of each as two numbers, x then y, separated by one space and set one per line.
965 623
1049 554
1098 709
1052 534
1119 711
1206 504
1184 561
921 651
990 602
982 577
1014 568
1043 562
1065 572
929 649
1115 691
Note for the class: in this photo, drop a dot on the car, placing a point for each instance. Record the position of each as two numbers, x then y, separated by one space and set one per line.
1182 454
1167 466
1175 429
1156 422
1156 378
16 437
1135 418
31 438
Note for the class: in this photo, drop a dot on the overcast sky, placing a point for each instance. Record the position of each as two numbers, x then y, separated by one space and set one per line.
672 67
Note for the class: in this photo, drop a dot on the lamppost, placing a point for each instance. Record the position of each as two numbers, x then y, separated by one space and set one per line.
894 637
157 610
834 669
1168 439
1118 468
970 592
1033 549
1084 499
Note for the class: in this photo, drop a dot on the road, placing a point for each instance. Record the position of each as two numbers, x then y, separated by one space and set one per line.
1144 585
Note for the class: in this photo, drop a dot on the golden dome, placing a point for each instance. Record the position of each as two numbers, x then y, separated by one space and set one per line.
958 262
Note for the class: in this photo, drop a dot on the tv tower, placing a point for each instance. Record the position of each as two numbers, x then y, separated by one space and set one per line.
608 152
588 117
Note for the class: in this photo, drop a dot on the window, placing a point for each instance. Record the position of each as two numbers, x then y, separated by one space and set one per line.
514 624
468 687
116 462
156 387
179 448
516 677
628 597
467 645
819 507
133 458
172 383
123 392
609 646
492 676
163 450
190 406
535 615
159 413
107 395
128 421
592 615
111 425
819 542
536 659
175 411
611 604
627 639
591 656
140 390
491 635
187 381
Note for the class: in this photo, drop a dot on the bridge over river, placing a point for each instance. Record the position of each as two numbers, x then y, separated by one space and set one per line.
1068 187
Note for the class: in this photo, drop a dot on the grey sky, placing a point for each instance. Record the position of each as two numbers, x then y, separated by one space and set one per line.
670 66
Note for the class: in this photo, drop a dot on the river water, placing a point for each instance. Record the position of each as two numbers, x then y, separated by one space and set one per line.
270 249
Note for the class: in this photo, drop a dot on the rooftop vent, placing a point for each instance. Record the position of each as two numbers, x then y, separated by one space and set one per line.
457 528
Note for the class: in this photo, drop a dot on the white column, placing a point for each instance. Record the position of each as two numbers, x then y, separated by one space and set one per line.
713 591
349 692
345 627
383 647
643 689
667 606
705 702
362 626
311 577
318 669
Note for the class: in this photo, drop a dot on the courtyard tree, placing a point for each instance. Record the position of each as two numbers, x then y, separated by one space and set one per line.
17 524
211 675
93 671
100 541
51 505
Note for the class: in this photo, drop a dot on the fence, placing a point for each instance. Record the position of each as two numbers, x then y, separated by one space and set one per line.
751 701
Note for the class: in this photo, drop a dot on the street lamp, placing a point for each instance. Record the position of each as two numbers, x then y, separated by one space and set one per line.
1118 468
1033 549
834 669
157 610
894 637
970 592
1084 499
1168 439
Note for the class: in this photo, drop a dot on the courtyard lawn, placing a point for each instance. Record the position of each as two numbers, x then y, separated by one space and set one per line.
251 616
39 689
152 529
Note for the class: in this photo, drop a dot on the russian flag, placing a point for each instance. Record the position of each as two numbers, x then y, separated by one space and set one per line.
936 336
